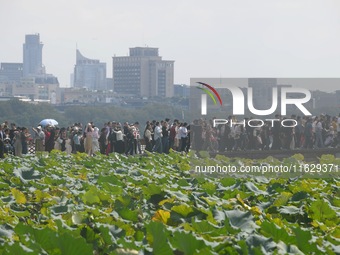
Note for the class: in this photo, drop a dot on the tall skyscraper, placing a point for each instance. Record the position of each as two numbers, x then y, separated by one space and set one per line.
143 73
32 64
89 73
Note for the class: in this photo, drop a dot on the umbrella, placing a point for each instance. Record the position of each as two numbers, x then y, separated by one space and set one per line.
47 122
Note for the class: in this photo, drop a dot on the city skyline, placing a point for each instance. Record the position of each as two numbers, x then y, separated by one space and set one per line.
227 39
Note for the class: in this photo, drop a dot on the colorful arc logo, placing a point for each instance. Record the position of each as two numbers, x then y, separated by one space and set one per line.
204 97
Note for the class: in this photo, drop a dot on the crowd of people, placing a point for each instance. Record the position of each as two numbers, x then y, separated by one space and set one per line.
159 136
126 138
298 133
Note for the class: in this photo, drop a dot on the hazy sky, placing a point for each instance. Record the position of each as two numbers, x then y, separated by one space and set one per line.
218 38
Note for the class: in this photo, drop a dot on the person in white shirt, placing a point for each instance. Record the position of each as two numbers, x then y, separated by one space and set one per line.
158 138
178 137
39 139
136 139
184 136
95 137
318 134
68 146
119 147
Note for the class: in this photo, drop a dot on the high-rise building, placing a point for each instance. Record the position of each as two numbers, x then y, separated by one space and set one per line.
12 72
143 73
89 73
32 64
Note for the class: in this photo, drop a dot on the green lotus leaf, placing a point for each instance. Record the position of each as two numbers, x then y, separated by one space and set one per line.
109 179
241 220
128 214
182 209
300 196
227 182
26 173
252 187
282 199
157 236
321 211
270 229
187 243
303 238
4 186
91 197
152 189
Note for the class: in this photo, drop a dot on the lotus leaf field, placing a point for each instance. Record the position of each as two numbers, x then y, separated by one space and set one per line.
153 204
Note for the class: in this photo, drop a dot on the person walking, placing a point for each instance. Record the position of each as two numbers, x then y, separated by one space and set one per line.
184 136
18 143
318 134
158 138
148 137
88 139
95 142
39 139
165 137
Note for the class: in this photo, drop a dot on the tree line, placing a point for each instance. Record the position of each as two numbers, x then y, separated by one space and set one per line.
29 115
